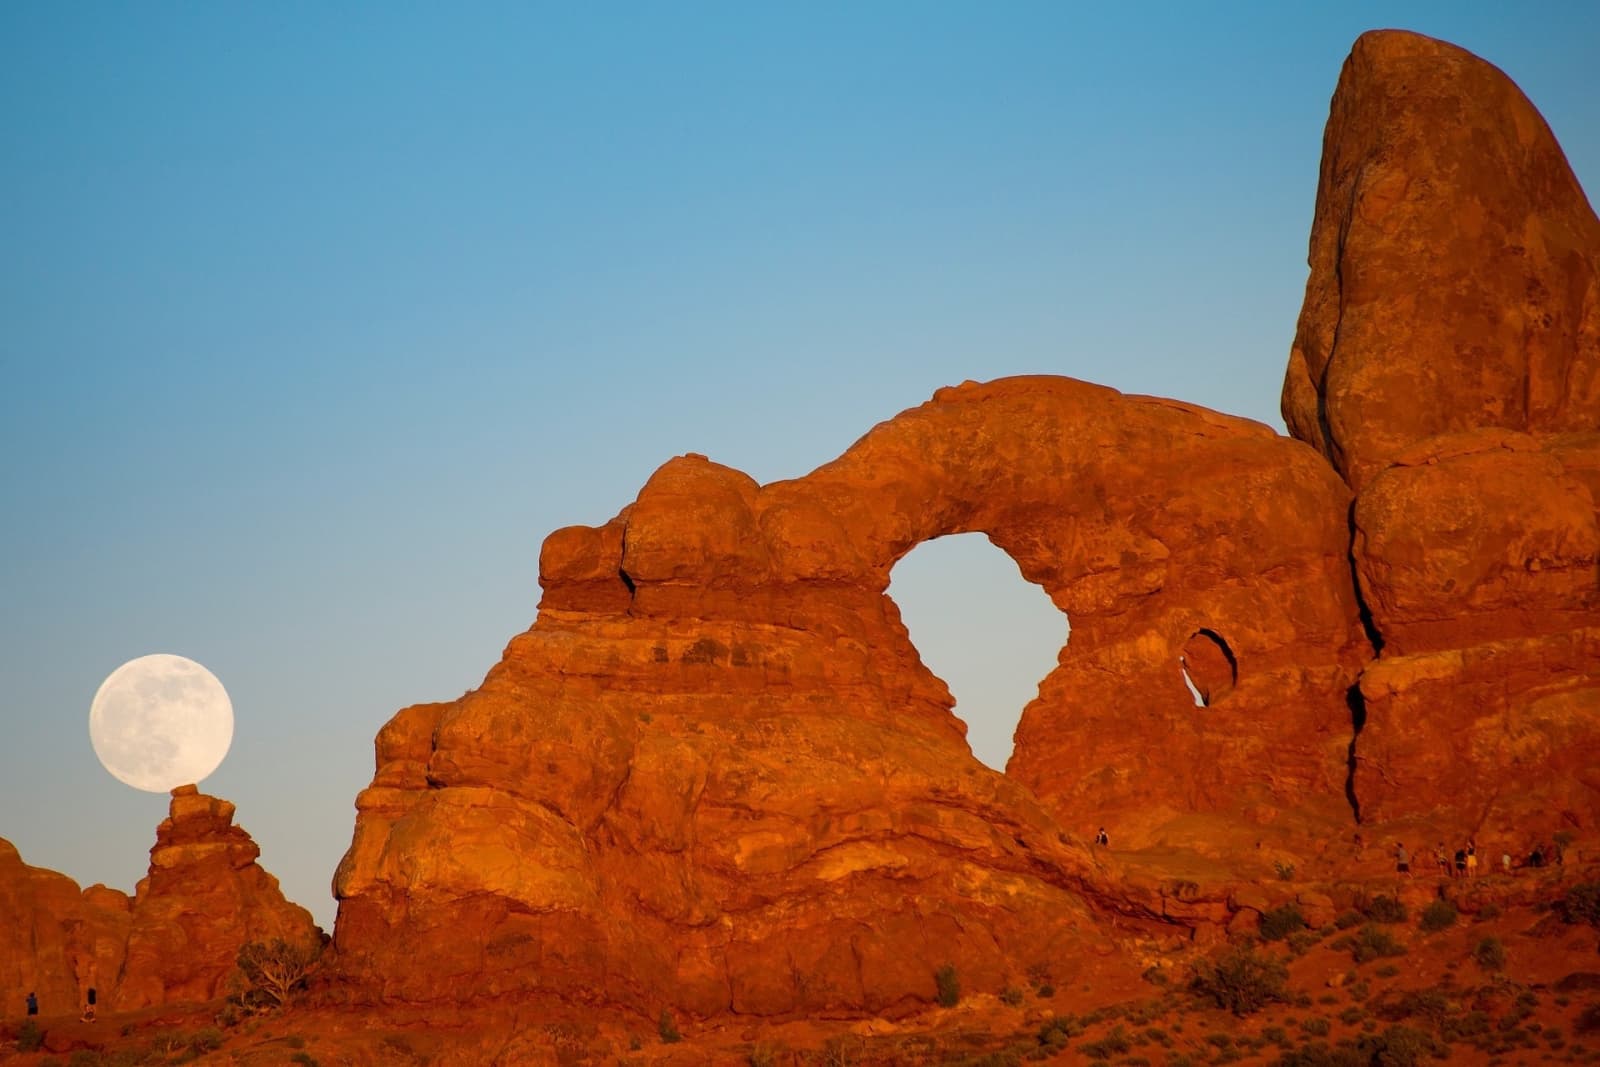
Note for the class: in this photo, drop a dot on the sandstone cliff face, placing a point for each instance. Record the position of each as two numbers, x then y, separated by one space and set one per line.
715 774
1448 363
204 897
1455 264
55 940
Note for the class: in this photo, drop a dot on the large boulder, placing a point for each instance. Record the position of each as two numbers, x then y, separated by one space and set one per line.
1455 264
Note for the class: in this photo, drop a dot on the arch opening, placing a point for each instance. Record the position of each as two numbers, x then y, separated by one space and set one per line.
988 633
1210 669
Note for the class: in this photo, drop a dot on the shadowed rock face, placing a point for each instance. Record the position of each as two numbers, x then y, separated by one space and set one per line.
1455 264
55 941
715 773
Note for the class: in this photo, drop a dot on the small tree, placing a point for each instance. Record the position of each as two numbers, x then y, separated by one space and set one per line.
1241 981
273 971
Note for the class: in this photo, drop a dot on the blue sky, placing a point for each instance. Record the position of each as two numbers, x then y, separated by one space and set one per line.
317 318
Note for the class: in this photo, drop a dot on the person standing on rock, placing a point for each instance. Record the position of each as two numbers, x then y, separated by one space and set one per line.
1402 859
1100 838
33 1005
1442 858
1472 858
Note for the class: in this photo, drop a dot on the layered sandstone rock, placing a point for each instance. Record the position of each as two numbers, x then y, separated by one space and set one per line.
204 897
715 775
55 940
1455 264
1448 363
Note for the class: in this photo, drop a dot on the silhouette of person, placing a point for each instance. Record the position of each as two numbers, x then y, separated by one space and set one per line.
33 1004
1100 838
88 1006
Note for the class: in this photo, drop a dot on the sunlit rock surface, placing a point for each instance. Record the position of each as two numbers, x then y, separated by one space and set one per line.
716 775
1454 279
204 897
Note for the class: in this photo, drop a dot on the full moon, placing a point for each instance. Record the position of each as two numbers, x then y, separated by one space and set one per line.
161 721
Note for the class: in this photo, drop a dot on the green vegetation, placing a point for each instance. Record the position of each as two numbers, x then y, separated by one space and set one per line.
1374 942
1280 922
667 1027
949 985
1113 1044
1440 915
1490 954
1581 904
270 973
1382 909
1285 870
1011 995
1241 981
29 1037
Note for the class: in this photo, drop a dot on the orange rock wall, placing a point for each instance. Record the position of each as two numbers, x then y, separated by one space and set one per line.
715 775
1448 363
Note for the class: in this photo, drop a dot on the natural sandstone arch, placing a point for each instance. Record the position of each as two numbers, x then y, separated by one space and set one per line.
715 770
986 632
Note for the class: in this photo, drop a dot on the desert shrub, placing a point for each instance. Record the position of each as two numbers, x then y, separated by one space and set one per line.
1581 904
29 1037
295 1041
304 1059
1588 1020
667 1027
1285 870
1241 981
1374 942
84 1058
1113 1044
1315 1026
1429 1004
949 986
1382 909
1388 970
272 972
763 1056
1057 1031
1349 918
1220 1040
1011 995
1440 915
1047 991
1278 923
1489 954
1473 1024
1398 1046
1301 941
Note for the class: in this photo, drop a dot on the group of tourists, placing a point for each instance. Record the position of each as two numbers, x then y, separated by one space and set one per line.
1463 863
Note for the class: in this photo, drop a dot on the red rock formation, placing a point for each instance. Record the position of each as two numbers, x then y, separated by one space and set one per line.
1448 363
55 941
204 897
1455 264
715 774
